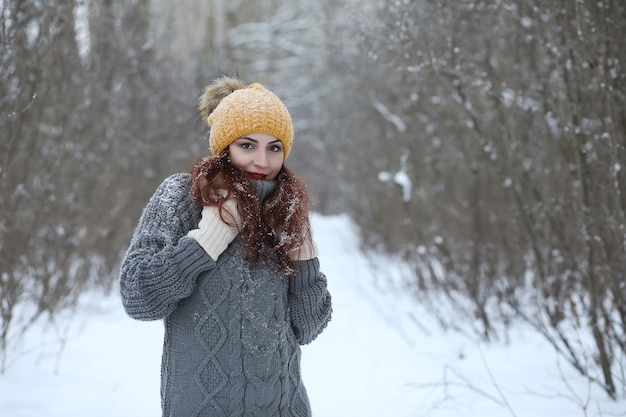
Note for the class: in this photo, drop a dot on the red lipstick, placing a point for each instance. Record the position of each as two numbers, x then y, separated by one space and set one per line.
257 176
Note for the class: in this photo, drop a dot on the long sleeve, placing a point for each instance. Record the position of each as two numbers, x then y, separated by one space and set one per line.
310 306
161 264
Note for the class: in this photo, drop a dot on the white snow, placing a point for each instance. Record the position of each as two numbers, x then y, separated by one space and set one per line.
400 178
81 26
382 355
389 116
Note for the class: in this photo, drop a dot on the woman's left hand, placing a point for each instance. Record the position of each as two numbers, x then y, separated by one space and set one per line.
308 249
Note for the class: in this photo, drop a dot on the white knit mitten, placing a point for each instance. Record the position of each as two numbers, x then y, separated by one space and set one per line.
307 251
213 234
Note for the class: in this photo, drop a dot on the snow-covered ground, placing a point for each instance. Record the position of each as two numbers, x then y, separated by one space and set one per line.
372 360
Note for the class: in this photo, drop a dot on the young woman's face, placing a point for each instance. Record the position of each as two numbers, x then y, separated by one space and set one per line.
259 154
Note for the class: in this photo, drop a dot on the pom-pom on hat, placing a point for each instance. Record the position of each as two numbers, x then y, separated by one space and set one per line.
233 110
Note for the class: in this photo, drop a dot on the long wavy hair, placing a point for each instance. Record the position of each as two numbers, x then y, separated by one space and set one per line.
277 225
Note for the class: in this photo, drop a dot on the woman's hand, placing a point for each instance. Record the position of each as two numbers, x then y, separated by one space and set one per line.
213 191
306 251
214 234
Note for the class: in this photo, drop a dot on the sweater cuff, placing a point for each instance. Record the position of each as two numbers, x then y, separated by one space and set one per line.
306 274
191 259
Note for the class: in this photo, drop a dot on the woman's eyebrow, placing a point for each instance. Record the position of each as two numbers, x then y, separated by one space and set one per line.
248 138
256 141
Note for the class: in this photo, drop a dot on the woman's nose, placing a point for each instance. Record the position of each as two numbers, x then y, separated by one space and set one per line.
260 159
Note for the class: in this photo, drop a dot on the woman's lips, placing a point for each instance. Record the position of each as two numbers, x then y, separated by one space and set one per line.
257 176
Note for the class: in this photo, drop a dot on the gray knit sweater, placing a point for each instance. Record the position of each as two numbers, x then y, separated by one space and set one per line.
232 329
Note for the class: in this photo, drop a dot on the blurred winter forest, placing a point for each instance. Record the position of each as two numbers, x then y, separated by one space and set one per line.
482 142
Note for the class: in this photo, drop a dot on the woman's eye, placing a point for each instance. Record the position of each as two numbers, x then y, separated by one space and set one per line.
247 145
275 148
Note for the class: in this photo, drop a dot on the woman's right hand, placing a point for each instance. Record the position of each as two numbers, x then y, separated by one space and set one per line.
214 234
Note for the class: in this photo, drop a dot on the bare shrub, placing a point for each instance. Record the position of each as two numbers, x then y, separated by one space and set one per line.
83 134
507 122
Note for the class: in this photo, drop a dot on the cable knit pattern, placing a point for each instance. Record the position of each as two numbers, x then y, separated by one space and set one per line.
157 271
232 329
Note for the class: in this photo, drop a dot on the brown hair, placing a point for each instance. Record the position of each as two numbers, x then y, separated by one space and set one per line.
280 222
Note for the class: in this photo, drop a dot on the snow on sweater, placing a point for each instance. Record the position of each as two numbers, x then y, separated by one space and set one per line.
232 328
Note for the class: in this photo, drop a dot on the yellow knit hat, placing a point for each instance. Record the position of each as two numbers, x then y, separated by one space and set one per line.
249 110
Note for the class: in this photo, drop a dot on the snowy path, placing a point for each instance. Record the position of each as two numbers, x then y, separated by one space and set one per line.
370 361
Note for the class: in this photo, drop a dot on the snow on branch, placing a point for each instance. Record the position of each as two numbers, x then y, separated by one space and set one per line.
400 178
389 116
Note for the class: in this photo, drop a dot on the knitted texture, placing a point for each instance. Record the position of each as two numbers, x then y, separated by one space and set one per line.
212 233
232 329
156 267
249 110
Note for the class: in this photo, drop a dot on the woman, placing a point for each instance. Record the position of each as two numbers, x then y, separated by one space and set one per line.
226 258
